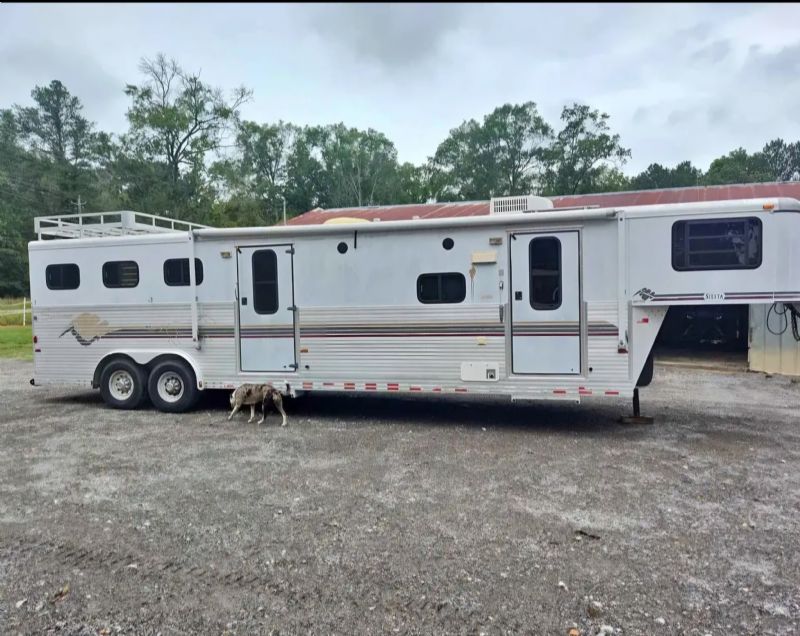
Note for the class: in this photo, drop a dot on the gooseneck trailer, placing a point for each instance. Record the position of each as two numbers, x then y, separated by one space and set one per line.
528 302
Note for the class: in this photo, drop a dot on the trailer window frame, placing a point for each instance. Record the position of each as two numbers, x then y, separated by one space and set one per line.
443 293
118 282
541 273
184 281
272 303
681 238
50 277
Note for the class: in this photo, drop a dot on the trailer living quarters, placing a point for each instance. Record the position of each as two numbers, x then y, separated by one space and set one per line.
528 302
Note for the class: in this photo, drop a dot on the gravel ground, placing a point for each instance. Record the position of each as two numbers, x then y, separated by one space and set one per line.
399 515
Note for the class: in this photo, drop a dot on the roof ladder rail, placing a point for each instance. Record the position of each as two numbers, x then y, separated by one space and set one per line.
102 224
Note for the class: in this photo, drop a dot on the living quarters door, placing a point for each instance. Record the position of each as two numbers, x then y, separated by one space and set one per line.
545 303
266 308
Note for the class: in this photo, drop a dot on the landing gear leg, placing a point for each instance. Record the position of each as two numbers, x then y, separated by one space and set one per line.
637 417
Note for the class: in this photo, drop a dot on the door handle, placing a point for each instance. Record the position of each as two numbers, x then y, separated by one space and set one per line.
244 300
517 295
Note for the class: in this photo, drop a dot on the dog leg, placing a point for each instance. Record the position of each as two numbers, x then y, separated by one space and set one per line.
278 401
263 411
252 413
235 411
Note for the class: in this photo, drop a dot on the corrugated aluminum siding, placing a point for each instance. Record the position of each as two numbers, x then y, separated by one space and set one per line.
769 352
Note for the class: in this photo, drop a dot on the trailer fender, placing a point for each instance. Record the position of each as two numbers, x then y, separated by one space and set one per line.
145 357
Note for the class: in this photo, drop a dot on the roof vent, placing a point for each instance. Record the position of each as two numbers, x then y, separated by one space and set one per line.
518 204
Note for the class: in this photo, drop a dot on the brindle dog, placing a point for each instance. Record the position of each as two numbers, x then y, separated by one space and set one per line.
252 394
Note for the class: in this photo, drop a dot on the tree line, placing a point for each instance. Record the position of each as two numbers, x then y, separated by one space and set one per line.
188 154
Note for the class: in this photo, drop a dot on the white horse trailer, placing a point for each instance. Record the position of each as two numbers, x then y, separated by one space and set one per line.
526 303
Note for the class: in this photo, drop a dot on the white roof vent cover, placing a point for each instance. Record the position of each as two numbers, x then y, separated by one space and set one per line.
519 204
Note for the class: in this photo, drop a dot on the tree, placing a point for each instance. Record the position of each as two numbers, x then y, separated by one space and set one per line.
411 185
655 176
305 183
582 151
260 169
782 160
176 118
359 166
738 167
499 157
55 127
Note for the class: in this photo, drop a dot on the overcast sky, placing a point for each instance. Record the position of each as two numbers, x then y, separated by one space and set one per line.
679 81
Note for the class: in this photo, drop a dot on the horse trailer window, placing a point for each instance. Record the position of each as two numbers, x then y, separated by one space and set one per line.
265 282
120 274
62 276
716 244
441 288
176 272
545 273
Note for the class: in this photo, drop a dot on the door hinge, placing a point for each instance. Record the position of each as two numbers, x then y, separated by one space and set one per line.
290 250
292 308
294 366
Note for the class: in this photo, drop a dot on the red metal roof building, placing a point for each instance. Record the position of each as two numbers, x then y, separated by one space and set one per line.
789 189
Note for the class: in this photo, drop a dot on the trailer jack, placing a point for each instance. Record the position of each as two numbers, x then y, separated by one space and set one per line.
637 417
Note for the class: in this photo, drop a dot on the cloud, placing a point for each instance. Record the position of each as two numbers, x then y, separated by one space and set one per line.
719 115
394 36
782 65
82 74
713 53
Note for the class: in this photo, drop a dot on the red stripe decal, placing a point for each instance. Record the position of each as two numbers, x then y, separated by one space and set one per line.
437 389
393 387
560 391
308 385
370 386
612 392
415 388
350 386
460 390
328 384
584 392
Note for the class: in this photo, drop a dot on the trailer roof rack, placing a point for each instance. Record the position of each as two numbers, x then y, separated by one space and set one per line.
98 224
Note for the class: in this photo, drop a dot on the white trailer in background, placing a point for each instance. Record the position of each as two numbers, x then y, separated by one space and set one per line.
528 302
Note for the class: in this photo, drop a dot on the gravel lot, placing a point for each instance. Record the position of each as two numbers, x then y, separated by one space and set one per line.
370 515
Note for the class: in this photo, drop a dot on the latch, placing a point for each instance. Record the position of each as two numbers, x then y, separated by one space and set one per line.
290 250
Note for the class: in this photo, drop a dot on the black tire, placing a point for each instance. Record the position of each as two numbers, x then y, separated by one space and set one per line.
646 376
123 384
178 390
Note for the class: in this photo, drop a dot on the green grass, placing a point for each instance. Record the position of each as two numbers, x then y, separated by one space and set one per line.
15 342
11 311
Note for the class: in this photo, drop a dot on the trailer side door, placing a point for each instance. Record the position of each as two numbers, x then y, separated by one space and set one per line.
545 303
266 307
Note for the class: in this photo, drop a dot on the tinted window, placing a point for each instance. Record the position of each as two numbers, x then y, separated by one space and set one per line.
176 272
716 244
62 276
545 266
441 288
120 274
265 282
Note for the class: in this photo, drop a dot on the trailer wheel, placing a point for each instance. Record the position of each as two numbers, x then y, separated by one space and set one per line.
172 386
122 384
